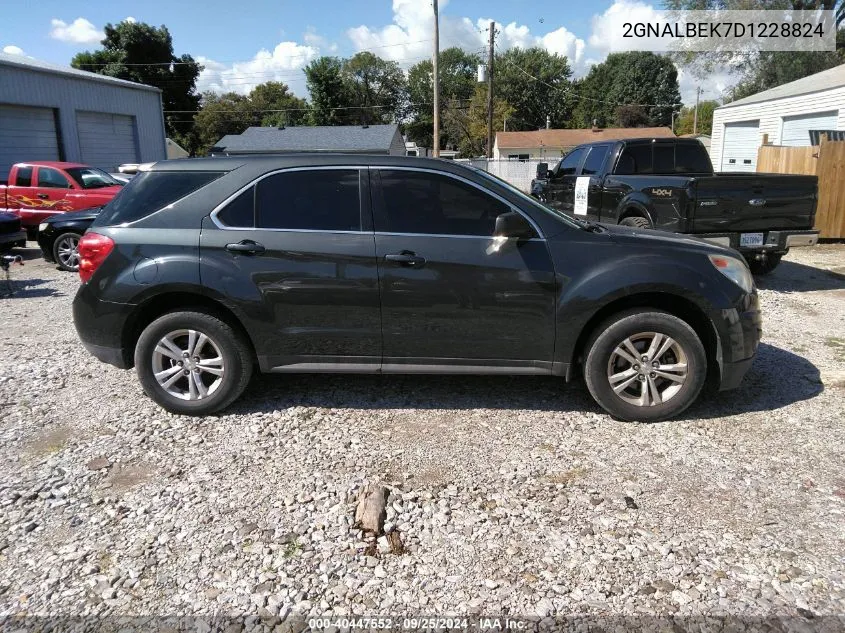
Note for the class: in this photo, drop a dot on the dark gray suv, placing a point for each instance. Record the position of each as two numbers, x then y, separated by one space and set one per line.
200 271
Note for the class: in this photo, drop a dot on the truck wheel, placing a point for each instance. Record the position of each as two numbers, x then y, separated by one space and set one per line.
764 266
192 362
66 251
637 222
645 365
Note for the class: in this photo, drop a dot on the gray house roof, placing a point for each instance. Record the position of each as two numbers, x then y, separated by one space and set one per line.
825 80
328 138
28 63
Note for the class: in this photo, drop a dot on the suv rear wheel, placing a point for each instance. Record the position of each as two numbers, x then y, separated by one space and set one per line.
192 362
645 365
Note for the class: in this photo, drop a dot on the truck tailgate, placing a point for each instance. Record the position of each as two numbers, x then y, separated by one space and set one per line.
728 202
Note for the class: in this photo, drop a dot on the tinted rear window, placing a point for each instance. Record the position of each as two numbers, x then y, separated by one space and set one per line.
151 191
664 158
24 177
635 159
315 200
692 158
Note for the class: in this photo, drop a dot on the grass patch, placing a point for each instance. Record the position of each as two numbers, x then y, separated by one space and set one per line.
292 549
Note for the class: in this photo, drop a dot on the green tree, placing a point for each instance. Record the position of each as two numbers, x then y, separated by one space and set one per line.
761 70
458 80
684 121
636 78
275 95
329 95
466 126
230 113
139 52
536 84
376 87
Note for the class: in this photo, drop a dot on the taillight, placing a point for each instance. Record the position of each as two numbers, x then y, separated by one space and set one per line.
93 250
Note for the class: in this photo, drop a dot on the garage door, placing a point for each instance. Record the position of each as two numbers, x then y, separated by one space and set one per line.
26 134
796 129
739 149
106 140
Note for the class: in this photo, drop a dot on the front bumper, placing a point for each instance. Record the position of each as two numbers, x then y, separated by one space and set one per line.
740 333
773 241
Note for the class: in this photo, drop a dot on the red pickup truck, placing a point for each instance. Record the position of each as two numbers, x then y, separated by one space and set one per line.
36 190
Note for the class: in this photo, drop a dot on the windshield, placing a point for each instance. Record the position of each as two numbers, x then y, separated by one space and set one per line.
533 201
92 178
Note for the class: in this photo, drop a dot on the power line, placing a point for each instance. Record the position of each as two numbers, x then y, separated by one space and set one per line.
356 107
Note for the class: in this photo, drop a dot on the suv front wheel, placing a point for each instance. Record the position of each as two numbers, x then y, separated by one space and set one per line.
645 365
192 363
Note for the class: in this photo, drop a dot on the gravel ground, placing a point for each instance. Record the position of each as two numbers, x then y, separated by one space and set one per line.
514 496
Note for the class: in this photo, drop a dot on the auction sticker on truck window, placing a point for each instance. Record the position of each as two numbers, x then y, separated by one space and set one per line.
751 239
581 187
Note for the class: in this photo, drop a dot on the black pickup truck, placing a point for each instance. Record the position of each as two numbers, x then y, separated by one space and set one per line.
669 184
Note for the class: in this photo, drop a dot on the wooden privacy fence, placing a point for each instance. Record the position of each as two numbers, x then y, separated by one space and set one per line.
827 161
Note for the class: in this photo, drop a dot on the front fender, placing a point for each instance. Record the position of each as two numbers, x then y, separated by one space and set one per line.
623 278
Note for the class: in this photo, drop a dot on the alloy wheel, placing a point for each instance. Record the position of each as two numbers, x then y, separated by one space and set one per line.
67 250
188 364
647 369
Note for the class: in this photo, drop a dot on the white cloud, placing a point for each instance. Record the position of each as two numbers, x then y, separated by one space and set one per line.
130 19
13 50
80 31
409 38
607 27
284 63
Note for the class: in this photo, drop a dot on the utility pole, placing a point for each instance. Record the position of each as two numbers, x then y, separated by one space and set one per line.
436 81
695 115
490 90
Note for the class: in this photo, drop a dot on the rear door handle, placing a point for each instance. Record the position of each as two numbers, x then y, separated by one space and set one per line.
406 258
246 246
43 196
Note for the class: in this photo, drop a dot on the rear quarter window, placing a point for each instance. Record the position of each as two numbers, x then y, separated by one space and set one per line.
151 191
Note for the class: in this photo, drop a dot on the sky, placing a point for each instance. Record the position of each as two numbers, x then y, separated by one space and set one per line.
247 43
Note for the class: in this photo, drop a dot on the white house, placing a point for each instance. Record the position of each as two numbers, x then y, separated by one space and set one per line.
786 114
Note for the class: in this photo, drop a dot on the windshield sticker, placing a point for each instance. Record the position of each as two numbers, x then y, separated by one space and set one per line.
581 186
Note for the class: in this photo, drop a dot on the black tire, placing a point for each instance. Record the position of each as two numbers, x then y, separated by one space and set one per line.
611 334
636 221
765 266
64 261
235 352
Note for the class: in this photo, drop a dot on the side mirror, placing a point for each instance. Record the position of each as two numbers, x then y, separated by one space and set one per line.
513 225
542 170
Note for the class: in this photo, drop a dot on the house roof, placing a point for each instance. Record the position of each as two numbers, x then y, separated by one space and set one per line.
825 80
28 63
571 138
327 138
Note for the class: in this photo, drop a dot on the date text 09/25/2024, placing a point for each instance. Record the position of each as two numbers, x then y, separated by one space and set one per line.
420 623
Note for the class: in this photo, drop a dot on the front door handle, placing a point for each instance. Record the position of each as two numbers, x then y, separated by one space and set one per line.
406 258
246 246
43 196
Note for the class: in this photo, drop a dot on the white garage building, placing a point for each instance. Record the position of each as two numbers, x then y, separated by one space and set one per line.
50 112
787 114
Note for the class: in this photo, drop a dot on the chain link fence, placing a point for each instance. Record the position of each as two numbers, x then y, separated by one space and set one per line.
519 173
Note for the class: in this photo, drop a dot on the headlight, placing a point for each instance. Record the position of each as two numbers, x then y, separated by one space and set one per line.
734 269
42 227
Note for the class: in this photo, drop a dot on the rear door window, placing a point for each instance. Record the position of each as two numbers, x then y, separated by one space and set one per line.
664 158
151 191
240 212
635 159
24 177
310 199
692 158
